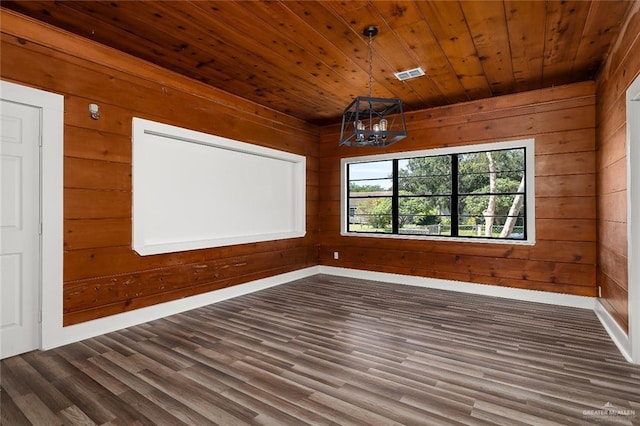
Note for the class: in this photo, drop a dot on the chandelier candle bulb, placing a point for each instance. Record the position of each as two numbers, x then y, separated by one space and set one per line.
376 127
383 125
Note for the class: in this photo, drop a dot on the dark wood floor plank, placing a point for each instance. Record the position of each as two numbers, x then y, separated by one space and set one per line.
19 375
36 411
117 368
50 364
155 411
207 377
497 419
365 416
89 398
75 416
110 341
276 400
330 413
10 414
521 415
15 379
267 413
192 395
177 409
406 414
329 350
107 381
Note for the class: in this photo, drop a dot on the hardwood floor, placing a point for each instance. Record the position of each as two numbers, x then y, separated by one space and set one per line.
329 350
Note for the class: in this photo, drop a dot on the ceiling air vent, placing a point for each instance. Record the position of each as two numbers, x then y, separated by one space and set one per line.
407 74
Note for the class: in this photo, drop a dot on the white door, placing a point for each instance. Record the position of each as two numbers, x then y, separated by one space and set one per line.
20 228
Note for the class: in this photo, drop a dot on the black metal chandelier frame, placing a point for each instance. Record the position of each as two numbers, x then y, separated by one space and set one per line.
372 121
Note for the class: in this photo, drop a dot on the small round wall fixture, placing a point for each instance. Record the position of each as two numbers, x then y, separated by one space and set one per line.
94 110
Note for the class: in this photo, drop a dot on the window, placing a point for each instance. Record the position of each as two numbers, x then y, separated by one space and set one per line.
480 193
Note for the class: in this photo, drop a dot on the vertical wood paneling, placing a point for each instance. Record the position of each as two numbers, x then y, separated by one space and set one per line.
487 26
527 48
562 120
603 17
619 71
564 25
439 69
102 274
449 28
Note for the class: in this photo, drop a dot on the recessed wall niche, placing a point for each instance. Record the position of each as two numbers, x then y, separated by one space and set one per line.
193 190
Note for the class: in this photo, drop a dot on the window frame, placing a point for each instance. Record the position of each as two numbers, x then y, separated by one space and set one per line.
529 213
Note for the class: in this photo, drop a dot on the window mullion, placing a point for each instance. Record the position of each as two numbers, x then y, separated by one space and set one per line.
395 213
454 195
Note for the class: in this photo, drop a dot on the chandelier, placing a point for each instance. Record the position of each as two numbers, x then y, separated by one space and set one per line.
369 121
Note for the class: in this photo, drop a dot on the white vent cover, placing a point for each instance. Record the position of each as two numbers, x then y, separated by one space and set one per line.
407 74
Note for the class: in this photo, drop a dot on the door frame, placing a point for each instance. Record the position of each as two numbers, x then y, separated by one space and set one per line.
51 107
633 217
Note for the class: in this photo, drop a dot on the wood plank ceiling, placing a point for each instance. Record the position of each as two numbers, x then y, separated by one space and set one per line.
309 58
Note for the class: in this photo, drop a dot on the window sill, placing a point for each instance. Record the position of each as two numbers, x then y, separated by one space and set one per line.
466 240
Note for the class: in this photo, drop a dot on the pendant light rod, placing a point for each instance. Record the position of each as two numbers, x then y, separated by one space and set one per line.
370 31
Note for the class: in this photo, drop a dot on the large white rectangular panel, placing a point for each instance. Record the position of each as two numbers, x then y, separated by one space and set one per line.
193 190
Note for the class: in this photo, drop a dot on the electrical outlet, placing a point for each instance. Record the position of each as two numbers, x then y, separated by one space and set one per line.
336 255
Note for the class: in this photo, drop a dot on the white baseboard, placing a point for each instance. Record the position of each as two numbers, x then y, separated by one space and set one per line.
616 333
583 302
58 335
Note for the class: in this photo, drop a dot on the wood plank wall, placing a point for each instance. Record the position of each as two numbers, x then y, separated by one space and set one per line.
562 121
620 70
102 274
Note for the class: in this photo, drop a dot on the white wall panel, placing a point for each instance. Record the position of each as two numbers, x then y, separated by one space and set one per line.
193 190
